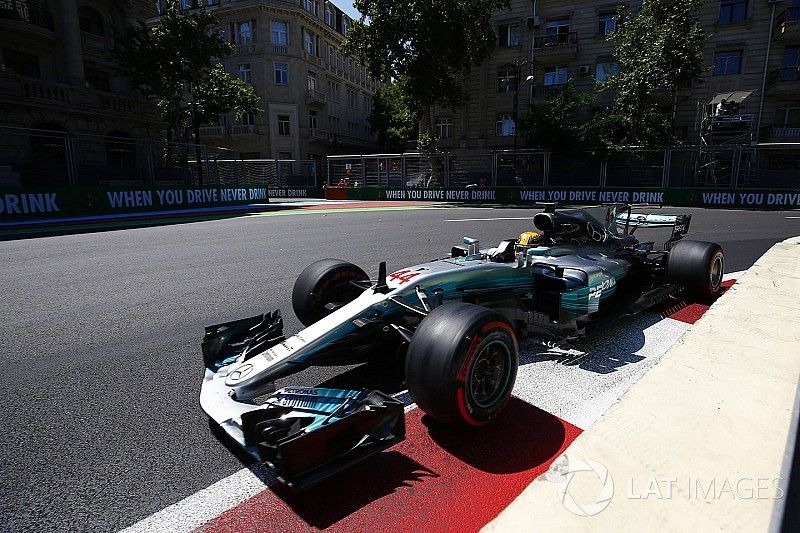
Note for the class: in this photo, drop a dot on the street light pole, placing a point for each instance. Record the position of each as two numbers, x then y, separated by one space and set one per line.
518 71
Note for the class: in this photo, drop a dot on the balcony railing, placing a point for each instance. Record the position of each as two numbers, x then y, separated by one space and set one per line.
784 74
547 91
315 97
280 49
786 132
242 129
212 131
318 134
555 39
246 48
27 11
44 90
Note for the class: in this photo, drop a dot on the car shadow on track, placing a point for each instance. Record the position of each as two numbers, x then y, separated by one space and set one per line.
602 352
522 437
387 379
337 497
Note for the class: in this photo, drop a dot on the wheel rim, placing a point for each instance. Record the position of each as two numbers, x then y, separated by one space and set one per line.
716 271
489 374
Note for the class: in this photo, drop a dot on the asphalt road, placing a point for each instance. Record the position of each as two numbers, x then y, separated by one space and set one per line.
100 362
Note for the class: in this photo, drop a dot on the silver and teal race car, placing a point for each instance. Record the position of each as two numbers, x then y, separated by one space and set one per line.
455 322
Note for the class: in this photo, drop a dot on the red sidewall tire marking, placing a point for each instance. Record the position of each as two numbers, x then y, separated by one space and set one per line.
472 353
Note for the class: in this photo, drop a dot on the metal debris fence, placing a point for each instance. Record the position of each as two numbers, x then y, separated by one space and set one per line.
774 165
44 158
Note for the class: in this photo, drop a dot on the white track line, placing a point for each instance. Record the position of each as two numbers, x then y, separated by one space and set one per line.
207 504
486 219
565 384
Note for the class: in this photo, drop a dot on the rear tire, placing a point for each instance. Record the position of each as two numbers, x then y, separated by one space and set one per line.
462 363
324 282
698 267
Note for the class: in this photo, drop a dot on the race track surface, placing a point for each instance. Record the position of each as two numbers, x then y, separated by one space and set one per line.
101 362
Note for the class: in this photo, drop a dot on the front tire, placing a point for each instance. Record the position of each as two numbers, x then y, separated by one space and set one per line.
462 363
324 282
698 267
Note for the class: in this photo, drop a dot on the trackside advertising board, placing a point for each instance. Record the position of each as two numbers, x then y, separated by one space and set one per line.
58 202
725 198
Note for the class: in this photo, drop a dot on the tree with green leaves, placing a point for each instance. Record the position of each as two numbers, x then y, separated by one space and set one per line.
432 44
392 119
660 52
561 122
178 64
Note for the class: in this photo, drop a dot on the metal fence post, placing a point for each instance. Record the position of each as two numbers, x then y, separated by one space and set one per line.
494 168
446 169
404 181
603 172
72 170
150 171
546 170
665 167
363 172
736 165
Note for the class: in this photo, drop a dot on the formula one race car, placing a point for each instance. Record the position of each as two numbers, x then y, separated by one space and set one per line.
456 322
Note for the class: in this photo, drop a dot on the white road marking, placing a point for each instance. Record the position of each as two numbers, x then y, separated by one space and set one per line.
792 217
486 219
197 509
577 383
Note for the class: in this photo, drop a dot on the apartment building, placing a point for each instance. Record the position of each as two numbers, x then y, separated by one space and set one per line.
752 67
316 100
55 70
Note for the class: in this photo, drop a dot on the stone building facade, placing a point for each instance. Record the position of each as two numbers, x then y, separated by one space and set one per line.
753 51
316 101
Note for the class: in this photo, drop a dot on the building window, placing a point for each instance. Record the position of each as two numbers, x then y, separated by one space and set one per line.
732 11
312 120
312 81
333 123
333 91
280 32
727 63
281 74
351 98
788 115
330 55
555 76
284 125
308 42
507 79
509 35
329 18
444 128
244 72
791 63
90 21
558 27
97 78
312 6
345 25
246 32
605 69
22 63
505 125
285 156
607 24
247 119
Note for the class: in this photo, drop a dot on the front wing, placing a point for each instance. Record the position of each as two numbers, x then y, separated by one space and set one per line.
302 434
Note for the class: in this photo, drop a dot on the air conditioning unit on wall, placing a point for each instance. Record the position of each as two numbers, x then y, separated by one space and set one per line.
585 70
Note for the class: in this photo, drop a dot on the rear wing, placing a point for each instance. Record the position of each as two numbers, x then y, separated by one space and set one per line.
623 216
